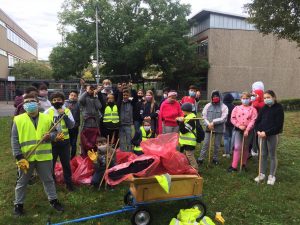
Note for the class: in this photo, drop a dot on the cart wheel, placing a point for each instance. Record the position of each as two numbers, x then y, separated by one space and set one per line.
128 198
200 205
141 217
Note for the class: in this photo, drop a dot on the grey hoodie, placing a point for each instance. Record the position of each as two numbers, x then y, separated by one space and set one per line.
216 113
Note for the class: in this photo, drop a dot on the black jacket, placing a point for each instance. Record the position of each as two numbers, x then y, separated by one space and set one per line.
270 119
228 100
137 139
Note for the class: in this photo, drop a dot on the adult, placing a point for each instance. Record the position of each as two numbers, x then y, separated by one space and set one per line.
28 129
169 111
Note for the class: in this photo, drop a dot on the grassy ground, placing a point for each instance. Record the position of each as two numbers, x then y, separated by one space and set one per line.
240 200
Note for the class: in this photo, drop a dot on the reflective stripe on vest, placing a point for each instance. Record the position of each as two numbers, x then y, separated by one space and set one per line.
111 115
206 221
188 138
29 136
178 222
144 138
63 125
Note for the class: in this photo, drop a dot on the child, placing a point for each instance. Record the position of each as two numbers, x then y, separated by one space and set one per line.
61 148
228 99
243 118
143 134
269 124
73 105
43 97
150 110
214 115
100 160
191 98
138 110
187 135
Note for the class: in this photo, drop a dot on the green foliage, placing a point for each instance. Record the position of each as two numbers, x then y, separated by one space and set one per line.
133 35
236 195
281 17
32 70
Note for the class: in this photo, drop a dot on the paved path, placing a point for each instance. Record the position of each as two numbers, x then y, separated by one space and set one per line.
6 109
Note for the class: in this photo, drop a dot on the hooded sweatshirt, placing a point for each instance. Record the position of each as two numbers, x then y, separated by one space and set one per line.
216 113
258 103
228 100
169 112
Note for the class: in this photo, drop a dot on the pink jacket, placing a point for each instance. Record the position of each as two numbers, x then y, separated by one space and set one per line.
244 116
169 112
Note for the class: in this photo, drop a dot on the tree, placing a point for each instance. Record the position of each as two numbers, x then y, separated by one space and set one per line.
32 70
281 17
134 34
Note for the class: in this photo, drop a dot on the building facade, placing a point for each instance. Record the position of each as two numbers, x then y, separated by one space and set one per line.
239 55
15 45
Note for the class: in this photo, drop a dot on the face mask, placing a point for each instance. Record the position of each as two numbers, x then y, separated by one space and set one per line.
57 105
43 93
107 87
147 128
192 93
102 148
216 99
253 98
268 101
30 107
148 98
165 96
245 101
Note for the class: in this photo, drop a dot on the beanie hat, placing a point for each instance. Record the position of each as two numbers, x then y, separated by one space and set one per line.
187 107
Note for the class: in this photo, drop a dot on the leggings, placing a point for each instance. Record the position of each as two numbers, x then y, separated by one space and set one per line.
269 145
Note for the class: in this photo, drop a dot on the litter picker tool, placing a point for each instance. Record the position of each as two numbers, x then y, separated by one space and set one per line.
259 159
107 166
42 140
196 118
209 149
107 150
242 153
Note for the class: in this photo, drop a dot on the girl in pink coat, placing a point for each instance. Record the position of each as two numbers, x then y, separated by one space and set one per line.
243 118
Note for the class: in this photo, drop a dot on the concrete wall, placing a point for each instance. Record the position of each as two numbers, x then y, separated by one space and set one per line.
238 58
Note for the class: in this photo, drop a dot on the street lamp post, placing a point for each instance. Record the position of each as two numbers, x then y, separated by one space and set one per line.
97 48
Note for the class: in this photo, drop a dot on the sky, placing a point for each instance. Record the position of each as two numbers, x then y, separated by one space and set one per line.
39 17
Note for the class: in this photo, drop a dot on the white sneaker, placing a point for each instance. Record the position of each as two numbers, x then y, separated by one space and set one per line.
226 156
253 153
271 180
260 177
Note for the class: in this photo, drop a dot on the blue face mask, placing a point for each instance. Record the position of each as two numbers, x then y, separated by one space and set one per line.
268 101
192 93
245 101
30 107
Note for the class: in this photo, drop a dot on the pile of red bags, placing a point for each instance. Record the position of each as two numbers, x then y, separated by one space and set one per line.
82 171
160 156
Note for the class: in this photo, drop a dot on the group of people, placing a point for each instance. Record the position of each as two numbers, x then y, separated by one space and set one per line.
47 128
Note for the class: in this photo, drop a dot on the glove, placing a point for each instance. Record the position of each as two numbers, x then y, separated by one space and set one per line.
92 155
23 165
219 218
60 137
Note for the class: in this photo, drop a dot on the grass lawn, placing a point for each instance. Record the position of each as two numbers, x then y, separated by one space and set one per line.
236 195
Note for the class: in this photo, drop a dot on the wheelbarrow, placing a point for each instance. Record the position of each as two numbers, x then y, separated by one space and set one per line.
145 191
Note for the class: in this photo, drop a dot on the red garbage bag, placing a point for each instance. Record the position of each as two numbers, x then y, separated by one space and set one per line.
77 160
142 166
88 138
122 157
84 172
59 175
163 146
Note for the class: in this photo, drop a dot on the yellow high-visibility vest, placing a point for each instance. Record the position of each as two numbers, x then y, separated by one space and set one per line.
63 125
188 138
111 114
144 138
29 136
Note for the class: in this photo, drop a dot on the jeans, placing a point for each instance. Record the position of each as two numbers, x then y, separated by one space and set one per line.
228 140
125 138
216 143
137 124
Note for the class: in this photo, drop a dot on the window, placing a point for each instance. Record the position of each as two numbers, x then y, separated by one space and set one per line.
20 42
2 52
202 48
12 60
2 24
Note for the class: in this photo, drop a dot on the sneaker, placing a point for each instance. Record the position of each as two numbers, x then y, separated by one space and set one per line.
56 205
200 161
216 162
231 169
226 156
271 180
253 153
18 210
260 177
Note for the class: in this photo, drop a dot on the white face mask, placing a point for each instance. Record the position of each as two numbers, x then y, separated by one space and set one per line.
165 96
147 128
102 148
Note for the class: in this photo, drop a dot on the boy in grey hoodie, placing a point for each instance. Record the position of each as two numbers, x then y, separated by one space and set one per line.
214 115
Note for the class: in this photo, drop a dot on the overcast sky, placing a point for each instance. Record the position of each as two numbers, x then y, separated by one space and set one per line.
39 17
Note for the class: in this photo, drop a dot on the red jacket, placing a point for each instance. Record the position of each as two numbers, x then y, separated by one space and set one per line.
169 112
259 101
